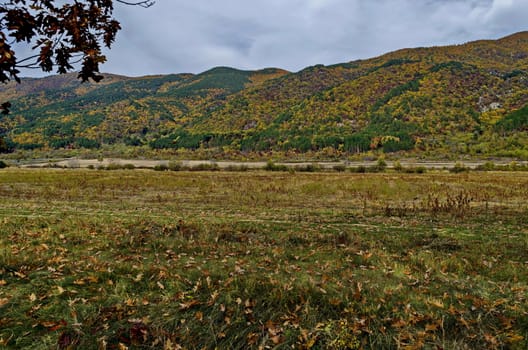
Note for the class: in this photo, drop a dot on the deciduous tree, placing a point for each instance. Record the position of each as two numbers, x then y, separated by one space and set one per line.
61 33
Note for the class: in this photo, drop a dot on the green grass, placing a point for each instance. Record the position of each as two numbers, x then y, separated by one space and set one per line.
236 260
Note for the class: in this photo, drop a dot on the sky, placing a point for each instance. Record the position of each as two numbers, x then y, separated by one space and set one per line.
191 36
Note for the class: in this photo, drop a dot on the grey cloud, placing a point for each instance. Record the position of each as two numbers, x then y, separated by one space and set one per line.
191 36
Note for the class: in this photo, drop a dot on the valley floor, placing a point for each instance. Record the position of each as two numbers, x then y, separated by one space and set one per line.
247 260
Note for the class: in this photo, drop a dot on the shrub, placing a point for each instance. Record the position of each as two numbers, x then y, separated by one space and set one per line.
114 166
309 168
175 166
161 167
459 168
339 168
359 169
205 167
270 166
488 166
237 168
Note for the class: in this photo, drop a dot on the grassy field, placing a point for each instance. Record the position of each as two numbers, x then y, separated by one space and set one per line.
200 260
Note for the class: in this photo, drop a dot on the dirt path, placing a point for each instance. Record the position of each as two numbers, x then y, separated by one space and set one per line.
138 163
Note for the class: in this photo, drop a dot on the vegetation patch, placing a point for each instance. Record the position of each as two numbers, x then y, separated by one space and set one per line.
95 259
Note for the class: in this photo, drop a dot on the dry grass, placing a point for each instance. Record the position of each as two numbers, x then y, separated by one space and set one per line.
143 259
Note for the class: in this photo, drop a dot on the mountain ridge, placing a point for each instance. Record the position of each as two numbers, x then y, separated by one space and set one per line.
453 99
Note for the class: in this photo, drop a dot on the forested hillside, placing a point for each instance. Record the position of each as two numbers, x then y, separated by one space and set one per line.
469 99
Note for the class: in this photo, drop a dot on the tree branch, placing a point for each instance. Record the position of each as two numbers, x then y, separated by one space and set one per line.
145 3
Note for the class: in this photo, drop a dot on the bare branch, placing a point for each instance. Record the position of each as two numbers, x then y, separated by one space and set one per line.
145 3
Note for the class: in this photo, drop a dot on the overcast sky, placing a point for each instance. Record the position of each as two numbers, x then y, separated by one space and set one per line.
176 36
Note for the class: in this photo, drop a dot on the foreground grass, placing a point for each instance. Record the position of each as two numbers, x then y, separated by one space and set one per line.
139 260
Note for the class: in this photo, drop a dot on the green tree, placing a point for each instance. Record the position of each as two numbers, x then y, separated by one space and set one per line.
3 145
60 32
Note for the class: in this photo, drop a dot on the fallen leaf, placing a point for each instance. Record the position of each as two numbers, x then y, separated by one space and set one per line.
436 303
92 279
32 297
431 328
276 339
20 274
199 316
188 305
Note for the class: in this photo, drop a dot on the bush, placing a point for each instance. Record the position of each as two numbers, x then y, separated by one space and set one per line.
270 166
415 170
237 168
397 166
488 166
381 164
161 167
114 166
339 168
175 166
360 169
205 167
459 168
309 168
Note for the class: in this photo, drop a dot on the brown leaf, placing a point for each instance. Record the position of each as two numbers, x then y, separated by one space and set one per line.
277 339
20 274
431 328
188 305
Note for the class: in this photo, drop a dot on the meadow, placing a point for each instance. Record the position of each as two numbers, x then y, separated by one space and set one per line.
138 259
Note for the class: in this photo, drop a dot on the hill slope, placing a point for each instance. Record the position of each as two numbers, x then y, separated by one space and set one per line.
462 99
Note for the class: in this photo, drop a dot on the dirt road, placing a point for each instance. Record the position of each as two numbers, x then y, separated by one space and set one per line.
138 163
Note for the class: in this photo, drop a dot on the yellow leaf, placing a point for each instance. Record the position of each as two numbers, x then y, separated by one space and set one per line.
515 338
20 274
92 279
160 285
436 303
32 297
3 282
4 301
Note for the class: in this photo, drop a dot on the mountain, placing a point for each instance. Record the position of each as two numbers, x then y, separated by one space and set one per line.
469 99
